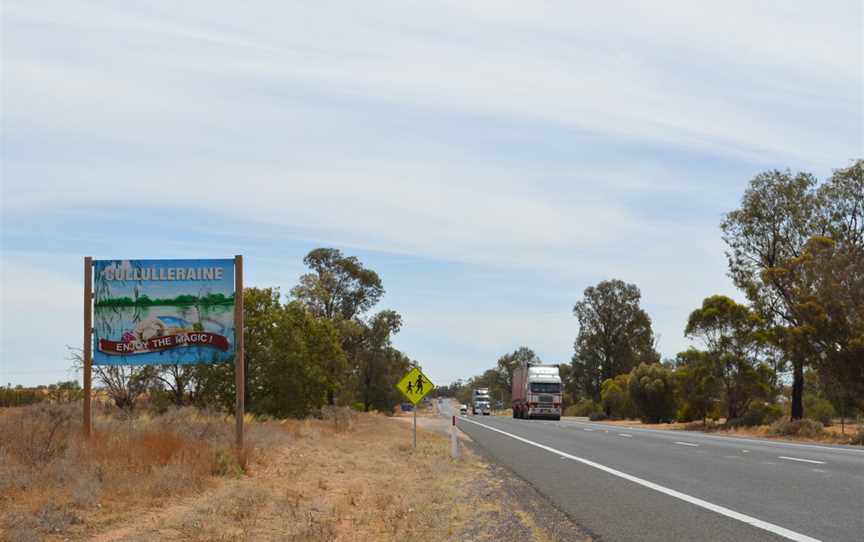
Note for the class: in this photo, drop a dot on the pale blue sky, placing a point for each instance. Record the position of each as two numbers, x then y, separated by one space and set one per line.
489 159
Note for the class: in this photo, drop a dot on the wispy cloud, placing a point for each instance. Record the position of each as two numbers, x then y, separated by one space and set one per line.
577 141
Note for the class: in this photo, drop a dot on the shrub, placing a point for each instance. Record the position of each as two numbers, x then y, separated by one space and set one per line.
615 399
37 434
652 390
820 410
859 438
798 428
583 408
597 416
757 414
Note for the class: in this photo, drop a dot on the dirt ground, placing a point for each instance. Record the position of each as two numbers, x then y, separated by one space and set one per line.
364 482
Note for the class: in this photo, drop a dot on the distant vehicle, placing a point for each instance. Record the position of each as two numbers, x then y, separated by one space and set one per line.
537 392
463 409
480 400
406 407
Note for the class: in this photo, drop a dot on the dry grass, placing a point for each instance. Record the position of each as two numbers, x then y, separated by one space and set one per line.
53 481
364 484
354 478
343 477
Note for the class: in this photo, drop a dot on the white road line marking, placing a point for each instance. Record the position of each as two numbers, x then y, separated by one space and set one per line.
764 442
801 460
586 429
687 444
625 435
745 451
722 510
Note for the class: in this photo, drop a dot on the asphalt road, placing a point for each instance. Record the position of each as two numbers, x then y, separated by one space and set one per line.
639 484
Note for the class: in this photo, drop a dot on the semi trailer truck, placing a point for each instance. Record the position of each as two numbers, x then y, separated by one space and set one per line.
536 392
480 402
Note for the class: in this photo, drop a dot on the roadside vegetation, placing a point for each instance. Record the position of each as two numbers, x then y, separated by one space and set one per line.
160 432
342 475
788 362
52 479
319 345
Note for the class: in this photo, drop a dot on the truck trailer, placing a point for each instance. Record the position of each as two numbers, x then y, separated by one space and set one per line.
537 392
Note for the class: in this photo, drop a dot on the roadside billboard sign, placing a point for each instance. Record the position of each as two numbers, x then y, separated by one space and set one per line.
163 312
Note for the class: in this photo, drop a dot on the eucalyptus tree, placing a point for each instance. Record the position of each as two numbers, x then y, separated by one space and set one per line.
378 366
829 277
615 335
340 289
508 363
776 218
795 249
731 335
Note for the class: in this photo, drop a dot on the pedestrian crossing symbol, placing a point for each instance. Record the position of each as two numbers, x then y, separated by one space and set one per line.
415 385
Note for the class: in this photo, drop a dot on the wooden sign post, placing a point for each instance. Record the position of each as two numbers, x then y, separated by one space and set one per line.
239 367
88 343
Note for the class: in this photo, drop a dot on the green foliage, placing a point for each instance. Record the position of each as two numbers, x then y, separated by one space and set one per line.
293 357
614 335
698 388
585 407
20 396
571 392
797 251
652 389
732 334
378 366
819 409
501 387
759 413
615 398
339 287
295 361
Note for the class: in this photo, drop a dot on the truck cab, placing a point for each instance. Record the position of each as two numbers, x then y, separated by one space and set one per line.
480 401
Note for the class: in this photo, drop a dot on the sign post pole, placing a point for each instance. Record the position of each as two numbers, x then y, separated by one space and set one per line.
415 386
88 343
239 368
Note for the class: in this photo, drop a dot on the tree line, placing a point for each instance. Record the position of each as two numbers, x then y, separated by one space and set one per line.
321 345
145 301
61 392
795 249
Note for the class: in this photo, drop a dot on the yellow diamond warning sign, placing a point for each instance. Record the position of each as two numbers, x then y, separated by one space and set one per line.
415 385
